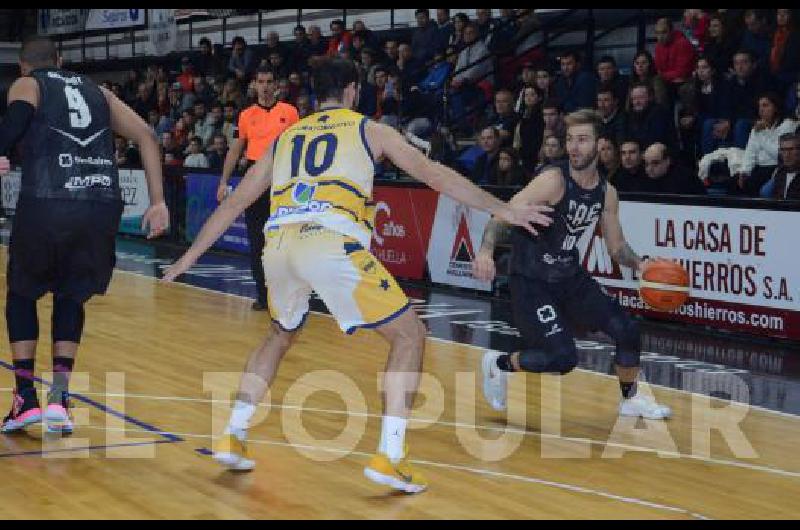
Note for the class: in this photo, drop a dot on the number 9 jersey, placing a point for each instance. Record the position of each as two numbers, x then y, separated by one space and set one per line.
323 172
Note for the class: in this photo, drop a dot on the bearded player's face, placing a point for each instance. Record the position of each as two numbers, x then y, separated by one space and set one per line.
581 146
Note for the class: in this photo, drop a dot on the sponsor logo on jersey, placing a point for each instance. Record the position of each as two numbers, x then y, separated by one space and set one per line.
73 80
88 181
66 160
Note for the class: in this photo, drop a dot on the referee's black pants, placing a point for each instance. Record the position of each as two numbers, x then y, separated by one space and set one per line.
255 217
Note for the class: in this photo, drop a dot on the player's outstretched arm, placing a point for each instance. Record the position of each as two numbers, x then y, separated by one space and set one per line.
231 159
546 188
125 122
386 142
255 182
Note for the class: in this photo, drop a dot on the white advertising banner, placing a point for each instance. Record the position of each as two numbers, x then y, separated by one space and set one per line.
114 18
58 21
133 187
163 31
455 240
743 264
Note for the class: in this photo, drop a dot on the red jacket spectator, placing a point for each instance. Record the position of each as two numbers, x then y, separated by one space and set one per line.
341 43
675 58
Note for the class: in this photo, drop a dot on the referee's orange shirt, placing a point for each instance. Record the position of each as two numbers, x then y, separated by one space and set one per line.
261 125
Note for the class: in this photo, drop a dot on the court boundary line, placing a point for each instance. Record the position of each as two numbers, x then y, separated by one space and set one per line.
87 448
448 341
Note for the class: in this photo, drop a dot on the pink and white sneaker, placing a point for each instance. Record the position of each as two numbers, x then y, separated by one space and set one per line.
24 411
58 418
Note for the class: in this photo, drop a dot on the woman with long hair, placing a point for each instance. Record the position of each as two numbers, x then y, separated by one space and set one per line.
608 158
530 129
720 46
644 70
711 98
761 154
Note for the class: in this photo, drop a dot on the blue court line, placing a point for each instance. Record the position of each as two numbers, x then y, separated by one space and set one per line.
169 437
87 448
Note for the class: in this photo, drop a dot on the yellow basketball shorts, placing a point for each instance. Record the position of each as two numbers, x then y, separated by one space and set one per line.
356 288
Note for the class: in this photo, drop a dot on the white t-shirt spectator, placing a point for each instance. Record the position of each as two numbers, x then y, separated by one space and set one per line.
762 146
197 160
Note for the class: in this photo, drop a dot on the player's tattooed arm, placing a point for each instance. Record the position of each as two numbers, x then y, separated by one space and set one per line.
496 231
625 256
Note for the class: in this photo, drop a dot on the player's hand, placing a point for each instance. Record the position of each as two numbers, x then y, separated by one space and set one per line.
155 220
525 215
5 165
179 267
483 267
222 191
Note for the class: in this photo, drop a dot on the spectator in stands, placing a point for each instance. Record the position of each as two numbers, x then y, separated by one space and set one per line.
444 29
648 122
644 71
613 117
424 100
162 99
276 65
674 57
215 117
126 154
552 152
242 61
784 60
304 106
173 155
216 152
460 22
368 64
631 169
608 74
186 77
183 130
390 49
153 119
300 51
284 91
425 38
474 68
761 154
144 101
608 158
485 23
370 40
746 84
711 96
544 82
553 119
784 184
340 40
381 102
229 121
507 171
195 158
203 127
694 27
131 87
274 44
175 102
317 44
530 129
203 92
411 69
528 38
527 77
720 46
665 175
232 92
755 37
489 141
575 88
502 34
206 61
503 117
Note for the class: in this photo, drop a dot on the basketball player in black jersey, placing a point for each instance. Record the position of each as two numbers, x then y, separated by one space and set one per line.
550 288
67 215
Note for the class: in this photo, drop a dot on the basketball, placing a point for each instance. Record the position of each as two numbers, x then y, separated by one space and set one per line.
664 285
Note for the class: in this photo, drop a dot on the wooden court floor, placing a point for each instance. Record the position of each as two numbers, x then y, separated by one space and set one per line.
158 364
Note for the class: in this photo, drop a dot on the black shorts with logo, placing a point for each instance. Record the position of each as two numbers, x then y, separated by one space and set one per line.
66 247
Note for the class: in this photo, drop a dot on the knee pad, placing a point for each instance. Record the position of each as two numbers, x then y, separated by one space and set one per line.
68 318
22 321
625 332
562 361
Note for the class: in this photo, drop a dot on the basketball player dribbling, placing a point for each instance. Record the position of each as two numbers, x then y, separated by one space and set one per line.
549 287
318 236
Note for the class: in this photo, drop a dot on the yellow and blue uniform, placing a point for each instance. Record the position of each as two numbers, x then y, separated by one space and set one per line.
320 226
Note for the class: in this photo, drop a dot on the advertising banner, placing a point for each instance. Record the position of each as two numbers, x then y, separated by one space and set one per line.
201 201
456 238
133 186
59 21
114 18
403 223
742 264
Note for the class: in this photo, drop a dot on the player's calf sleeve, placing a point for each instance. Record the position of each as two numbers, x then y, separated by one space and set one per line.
22 321
68 318
562 361
628 338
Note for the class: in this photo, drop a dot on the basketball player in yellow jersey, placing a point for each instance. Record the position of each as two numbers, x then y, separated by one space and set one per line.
318 236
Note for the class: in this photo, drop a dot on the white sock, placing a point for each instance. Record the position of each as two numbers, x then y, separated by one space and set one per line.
393 435
240 419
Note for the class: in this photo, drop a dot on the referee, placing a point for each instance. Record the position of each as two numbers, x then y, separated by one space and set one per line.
259 125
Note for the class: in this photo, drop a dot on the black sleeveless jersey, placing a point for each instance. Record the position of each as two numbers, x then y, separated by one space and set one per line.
68 149
553 256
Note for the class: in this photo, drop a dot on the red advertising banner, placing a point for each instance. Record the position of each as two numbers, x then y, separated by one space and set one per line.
403 224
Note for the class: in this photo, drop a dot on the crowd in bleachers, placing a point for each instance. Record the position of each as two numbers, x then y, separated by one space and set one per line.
717 97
